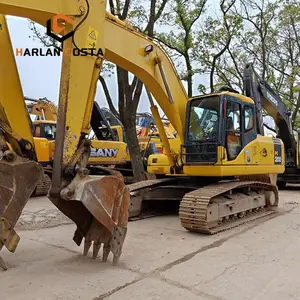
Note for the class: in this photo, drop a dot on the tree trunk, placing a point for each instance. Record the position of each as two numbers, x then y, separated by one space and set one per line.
189 75
134 150
127 109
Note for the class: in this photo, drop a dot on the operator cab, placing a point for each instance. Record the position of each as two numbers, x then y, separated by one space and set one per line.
44 129
224 119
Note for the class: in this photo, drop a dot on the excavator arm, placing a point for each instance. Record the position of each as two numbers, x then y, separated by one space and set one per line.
42 108
266 98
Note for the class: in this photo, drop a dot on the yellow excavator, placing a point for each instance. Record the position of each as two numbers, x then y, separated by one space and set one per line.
41 109
222 179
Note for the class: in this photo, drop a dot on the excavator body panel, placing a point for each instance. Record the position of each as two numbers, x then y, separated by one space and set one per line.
42 149
108 153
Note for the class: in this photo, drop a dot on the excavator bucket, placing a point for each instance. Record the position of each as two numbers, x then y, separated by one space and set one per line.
99 207
18 179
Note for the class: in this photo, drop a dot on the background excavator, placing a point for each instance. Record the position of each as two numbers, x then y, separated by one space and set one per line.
105 127
218 183
44 114
148 135
106 149
266 98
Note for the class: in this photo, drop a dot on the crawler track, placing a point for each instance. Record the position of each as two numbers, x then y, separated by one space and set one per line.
225 205
43 186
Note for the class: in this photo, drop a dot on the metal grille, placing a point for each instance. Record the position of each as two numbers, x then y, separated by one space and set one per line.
201 153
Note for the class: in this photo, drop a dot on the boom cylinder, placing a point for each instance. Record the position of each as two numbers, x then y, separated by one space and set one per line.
161 129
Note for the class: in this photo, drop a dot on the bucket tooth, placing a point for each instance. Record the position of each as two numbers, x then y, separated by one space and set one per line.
106 251
2 264
96 249
87 246
99 207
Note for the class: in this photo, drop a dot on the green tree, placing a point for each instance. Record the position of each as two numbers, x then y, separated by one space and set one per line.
213 42
286 57
182 19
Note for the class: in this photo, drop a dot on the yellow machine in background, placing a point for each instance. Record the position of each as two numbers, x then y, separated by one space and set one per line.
221 180
109 148
105 151
42 109
148 134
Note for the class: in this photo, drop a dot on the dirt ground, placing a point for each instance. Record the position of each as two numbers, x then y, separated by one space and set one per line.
258 260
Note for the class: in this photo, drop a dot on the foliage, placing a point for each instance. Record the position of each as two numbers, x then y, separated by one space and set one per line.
181 38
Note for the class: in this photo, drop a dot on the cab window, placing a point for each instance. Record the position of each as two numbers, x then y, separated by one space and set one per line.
37 131
233 130
249 118
49 132
204 120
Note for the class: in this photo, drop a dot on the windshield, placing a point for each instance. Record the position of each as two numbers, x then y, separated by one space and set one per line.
203 120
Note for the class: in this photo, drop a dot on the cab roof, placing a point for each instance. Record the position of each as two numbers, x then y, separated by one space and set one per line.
38 122
237 95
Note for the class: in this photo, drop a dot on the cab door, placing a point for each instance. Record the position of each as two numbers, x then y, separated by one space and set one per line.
249 124
240 126
233 132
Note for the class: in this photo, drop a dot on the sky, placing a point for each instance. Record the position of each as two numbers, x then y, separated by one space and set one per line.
40 76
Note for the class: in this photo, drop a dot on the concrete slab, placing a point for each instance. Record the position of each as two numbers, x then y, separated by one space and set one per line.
40 213
257 260
161 260
38 271
153 289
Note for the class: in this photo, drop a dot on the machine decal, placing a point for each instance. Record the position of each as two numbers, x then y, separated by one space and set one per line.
104 152
272 99
277 152
92 37
264 152
248 159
